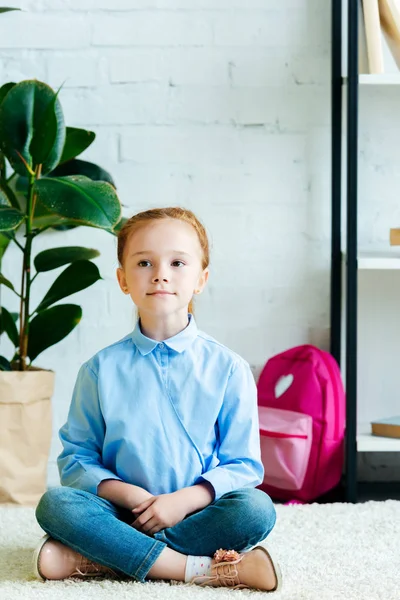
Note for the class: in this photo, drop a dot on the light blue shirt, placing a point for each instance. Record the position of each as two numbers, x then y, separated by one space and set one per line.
163 416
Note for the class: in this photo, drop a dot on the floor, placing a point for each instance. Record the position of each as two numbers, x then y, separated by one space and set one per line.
327 551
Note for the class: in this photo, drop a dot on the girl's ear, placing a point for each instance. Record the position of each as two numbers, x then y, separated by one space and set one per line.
122 280
202 281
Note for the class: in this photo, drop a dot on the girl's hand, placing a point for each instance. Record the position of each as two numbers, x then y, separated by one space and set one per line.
159 512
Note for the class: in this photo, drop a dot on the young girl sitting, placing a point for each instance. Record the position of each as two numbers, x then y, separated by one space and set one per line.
161 450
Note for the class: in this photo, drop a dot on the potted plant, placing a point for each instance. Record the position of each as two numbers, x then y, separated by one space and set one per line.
42 185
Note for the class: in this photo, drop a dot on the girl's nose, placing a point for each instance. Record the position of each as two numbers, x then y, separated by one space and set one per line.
158 278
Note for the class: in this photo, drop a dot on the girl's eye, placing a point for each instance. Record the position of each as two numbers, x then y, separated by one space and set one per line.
145 262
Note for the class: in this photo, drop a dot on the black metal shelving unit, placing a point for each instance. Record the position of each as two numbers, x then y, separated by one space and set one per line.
353 491
350 174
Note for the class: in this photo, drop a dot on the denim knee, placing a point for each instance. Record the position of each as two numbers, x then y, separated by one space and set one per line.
256 509
49 503
263 507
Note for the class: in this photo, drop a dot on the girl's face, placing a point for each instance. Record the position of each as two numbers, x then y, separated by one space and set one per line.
162 256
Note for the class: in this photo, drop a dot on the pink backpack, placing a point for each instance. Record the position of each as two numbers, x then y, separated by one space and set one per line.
302 421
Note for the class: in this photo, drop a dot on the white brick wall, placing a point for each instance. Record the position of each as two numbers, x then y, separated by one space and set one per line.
222 106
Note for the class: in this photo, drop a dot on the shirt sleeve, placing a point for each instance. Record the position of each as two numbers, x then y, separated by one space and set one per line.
80 464
239 450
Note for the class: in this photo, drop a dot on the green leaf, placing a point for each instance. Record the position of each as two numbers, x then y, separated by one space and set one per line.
2 165
46 221
82 167
4 241
76 277
4 89
80 200
76 142
4 364
22 114
22 184
51 326
45 135
6 191
10 218
64 227
4 9
57 257
6 282
119 225
45 218
8 326
4 201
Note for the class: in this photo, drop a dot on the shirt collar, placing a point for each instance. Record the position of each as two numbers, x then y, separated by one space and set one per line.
178 342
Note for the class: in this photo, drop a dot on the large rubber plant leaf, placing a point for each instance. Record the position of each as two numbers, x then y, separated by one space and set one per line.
5 365
4 242
3 166
6 282
45 134
7 325
8 193
76 277
10 218
4 89
45 218
4 201
51 326
22 184
57 257
76 141
119 225
31 112
83 167
80 200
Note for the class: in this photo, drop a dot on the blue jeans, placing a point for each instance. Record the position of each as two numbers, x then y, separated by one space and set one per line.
101 531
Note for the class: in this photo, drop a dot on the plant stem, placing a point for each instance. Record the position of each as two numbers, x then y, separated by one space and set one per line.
13 239
18 244
21 313
26 276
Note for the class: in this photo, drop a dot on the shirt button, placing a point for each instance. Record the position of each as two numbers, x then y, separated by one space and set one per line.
161 345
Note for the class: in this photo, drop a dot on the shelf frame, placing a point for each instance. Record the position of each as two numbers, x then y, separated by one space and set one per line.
352 250
351 233
376 261
376 79
344 274
336 182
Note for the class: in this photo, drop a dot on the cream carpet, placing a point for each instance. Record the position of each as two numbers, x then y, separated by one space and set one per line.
327 551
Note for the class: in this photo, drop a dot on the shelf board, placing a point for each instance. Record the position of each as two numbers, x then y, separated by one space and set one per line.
382 79
366 442
377 260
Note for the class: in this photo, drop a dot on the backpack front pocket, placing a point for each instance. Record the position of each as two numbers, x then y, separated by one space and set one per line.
286 439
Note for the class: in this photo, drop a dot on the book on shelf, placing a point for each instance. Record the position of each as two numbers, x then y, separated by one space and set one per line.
373 35
363 65
378 36
386 427
389 11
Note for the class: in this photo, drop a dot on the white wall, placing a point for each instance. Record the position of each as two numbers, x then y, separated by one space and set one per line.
222 106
